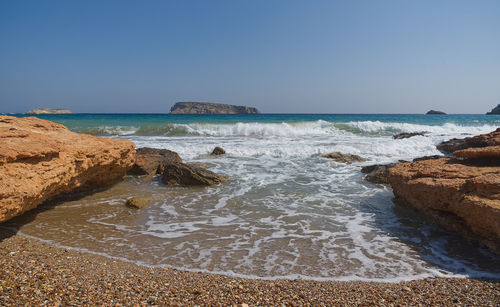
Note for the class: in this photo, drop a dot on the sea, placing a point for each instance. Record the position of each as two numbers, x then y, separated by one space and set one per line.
286 212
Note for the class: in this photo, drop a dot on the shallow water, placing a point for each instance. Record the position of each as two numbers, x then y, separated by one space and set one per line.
286 211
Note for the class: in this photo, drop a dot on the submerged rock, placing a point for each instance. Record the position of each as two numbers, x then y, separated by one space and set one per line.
218 151
152 161
377 173
139 202
405 135
483 140
189 175
344 158
462 195
40 159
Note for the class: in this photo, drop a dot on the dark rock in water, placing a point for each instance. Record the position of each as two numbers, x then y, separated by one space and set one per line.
218 151
189 175
210 108
139 202
344 158
496 110
483 140
152 161
405 135
377 173
434 112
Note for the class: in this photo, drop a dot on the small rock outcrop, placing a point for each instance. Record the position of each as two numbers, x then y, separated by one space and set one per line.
344 158
139 202
496 110
49 111
483 140
377 173
460 194
152 161
40 159
434 112
405 135
218 151
210 108
189 175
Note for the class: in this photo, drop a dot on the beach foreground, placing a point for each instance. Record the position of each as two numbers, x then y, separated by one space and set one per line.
37 273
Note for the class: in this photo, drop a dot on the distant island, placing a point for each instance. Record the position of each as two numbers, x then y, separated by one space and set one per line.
49 111
496 110
210 108
434 112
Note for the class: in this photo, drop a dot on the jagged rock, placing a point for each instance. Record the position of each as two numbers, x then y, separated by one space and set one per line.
344 158
483 140
152 161
405 135
40 159
49 111
189 175
459 195
210 108
377 173
218 151
434 112
496 110
139 202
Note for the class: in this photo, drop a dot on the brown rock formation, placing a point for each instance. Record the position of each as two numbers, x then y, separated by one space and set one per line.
377 173
190 175
218 151
483 140
152 161
210 108
40 159
344 158
462 195
405 135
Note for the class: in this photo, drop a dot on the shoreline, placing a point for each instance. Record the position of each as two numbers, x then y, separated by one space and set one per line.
36 272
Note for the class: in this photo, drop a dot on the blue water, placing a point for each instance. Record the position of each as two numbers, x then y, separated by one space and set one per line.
285 212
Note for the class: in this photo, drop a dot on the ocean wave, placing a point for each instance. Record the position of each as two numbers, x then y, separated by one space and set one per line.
388 128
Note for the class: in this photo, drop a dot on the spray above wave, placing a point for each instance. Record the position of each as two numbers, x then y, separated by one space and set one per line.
378 128
319 127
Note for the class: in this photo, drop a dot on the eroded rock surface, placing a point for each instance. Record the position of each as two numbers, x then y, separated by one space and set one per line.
462 195
483 140
405 135
40 159
218 151
377 173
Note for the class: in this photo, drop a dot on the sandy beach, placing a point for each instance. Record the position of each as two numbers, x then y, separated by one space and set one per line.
37 273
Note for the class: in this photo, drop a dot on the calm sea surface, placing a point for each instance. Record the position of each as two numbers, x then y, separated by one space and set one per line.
286 212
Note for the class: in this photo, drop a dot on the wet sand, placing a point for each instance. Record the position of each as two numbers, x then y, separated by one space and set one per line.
36 273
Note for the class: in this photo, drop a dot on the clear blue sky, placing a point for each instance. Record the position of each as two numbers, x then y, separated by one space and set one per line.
280 56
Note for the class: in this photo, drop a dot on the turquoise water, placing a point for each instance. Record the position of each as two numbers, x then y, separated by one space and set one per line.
286 212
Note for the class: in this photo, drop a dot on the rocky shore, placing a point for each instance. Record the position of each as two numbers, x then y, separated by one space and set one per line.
37 273
460 193
40 159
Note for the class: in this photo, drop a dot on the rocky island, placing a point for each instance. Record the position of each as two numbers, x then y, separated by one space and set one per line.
210 108
434 112
496 110
49 111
